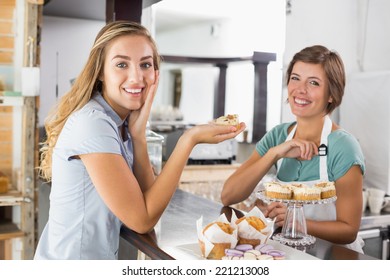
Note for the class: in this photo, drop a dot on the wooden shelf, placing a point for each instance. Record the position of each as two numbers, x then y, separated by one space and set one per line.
9 230
12 198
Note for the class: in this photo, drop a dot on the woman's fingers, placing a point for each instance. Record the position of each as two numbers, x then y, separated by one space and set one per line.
277 212
212 133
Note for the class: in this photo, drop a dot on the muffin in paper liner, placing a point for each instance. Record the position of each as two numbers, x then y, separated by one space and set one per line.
213 240
254 228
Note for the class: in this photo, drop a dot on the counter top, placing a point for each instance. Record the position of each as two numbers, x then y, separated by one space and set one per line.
370 220
175 236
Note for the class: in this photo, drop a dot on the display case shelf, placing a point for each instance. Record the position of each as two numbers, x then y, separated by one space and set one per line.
9 230
19 161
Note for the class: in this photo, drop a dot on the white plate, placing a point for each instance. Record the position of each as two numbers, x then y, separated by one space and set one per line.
192 252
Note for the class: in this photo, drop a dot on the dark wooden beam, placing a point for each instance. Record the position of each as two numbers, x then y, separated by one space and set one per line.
220 93
123 10
260 62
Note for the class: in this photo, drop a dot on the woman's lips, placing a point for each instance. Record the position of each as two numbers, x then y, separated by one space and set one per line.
133 91
301 101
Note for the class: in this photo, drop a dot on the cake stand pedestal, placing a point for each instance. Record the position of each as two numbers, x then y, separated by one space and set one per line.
294 231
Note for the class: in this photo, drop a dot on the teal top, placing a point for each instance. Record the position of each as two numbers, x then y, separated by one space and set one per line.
344 151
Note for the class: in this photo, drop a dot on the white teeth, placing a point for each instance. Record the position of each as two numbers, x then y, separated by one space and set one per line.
133 90
301 101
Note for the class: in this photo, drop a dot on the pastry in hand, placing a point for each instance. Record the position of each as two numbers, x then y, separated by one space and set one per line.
228 120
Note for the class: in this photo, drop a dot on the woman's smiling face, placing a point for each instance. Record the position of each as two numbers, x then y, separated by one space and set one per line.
308 90
128 73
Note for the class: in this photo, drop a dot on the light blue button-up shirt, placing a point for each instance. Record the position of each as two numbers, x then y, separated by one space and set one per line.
80 225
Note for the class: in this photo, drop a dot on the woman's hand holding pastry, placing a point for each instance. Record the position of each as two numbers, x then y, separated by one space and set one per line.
213 134
299 149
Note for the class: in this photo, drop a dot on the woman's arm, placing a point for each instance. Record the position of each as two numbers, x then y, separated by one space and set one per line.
120 189
349 210
242 182
142 167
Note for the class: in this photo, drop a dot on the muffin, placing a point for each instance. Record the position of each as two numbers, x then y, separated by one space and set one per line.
216 237
254 228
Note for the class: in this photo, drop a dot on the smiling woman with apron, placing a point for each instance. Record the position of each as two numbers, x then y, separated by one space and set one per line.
309 150
319 212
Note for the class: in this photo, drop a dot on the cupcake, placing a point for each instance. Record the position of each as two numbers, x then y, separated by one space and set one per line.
216 237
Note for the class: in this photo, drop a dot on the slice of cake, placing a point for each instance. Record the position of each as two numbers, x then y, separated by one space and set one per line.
276 190
328 189
304 192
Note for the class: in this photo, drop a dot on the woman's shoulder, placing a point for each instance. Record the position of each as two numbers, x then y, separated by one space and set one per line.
344 152
343 138
90 112
91 119
281 129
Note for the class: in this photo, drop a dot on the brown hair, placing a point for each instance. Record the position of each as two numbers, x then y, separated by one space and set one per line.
333 67
86 84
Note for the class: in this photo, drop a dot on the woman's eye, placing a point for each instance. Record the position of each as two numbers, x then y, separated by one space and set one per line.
121 65
295 78
314 83
146 65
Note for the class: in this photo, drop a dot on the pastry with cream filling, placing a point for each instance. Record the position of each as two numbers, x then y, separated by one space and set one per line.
328 189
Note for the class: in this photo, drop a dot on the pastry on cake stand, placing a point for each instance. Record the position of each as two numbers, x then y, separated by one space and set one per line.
294 231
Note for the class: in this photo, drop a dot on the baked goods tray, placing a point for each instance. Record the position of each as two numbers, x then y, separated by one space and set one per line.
261 195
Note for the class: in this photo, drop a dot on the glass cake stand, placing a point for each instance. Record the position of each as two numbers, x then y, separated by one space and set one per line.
294 231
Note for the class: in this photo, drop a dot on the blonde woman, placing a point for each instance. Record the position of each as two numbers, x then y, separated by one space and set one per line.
96 153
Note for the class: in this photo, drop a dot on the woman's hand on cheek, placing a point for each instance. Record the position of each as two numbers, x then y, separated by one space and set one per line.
139 118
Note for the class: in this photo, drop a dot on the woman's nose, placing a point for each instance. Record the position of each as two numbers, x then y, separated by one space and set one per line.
301 87
135 74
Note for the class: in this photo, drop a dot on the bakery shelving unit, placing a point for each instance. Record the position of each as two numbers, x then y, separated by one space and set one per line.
17 206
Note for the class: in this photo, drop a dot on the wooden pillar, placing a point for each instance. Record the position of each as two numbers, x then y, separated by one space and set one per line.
123 10
220 93
260 62
260 102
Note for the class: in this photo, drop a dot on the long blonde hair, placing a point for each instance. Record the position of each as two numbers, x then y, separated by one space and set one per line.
85 85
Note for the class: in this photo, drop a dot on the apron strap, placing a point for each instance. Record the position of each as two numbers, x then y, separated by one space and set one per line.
323 149
289 137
